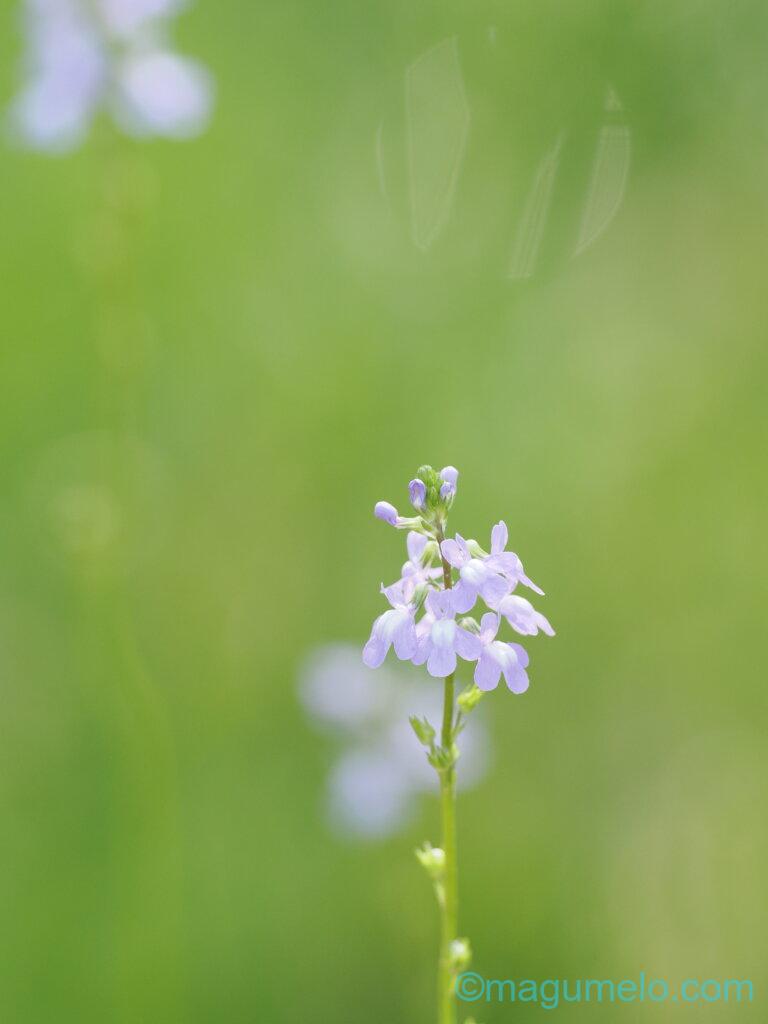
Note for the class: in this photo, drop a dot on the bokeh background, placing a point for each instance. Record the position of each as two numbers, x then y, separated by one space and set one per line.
217 354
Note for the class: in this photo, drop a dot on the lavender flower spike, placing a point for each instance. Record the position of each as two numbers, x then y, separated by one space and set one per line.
464 573
449 475
475 577
417 491
395 627
497 657
445 638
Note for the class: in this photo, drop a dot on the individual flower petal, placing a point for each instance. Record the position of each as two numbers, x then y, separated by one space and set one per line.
388 513
417 492
467 644
454 553
463 597
515 675
450 475
439 603
375 651
441 662
522 655
395 593
493 589
160 93
404 639
489 627
499 538
487 672
415 543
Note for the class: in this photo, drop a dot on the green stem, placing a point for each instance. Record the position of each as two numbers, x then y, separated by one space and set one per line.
449 905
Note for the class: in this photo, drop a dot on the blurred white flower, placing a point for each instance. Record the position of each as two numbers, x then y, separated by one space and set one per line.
84 55
373 788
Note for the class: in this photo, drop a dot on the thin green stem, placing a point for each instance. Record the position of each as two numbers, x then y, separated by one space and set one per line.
449 905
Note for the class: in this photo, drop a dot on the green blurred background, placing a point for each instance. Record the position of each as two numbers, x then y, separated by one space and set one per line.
218 354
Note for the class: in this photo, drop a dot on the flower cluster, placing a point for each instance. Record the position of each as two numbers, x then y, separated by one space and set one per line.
441 582
82 55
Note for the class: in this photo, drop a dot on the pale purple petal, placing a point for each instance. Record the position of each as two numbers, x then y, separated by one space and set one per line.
415 542
522 655
422 650
467 645
388 513
543 623
395 593
160 93
417 492
453 553
450 474
487 672
489 627
404 639
441 661
447 490
462 597
375 651
499 537
493 590
439 603
516 678
529 583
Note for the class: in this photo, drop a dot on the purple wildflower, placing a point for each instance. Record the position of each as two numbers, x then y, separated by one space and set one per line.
475 577
506 562
497 657
444 639
523 617
85 54
394 628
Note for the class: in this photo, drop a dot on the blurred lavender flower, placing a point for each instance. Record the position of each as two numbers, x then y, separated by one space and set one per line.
84 55
374 786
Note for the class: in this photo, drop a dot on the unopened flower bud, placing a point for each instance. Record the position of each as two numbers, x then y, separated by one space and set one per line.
449 475
470 698
383 510
417 491
432 859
